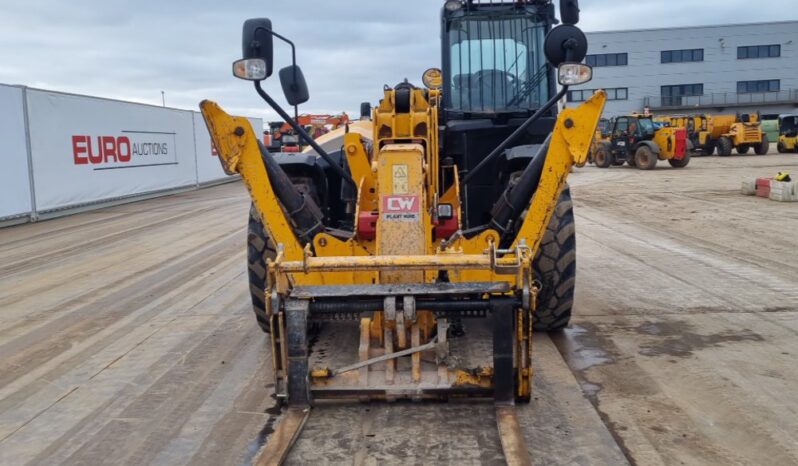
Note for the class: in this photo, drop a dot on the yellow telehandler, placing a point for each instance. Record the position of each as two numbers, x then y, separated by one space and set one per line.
788 134
415 261
741 133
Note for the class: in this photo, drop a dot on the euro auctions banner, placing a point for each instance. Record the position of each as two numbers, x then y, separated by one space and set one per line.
86 149
15 199
208 166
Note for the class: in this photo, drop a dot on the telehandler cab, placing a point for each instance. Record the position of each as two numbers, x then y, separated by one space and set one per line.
788 134
386 269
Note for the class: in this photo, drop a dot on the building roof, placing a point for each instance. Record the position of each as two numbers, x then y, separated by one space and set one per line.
705 26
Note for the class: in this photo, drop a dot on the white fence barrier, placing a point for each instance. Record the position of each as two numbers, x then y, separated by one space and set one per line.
14 173
84 150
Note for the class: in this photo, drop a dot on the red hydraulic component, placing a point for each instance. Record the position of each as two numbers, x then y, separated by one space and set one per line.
367 225
447 222
681 143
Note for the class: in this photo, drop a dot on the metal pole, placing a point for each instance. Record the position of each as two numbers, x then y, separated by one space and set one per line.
163 98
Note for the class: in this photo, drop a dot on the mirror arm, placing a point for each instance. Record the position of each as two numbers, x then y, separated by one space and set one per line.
293 58
518 132
301 131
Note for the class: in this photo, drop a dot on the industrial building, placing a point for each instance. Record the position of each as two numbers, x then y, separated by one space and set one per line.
709 69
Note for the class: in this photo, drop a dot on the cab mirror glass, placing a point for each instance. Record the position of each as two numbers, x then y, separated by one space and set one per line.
294 85
257 42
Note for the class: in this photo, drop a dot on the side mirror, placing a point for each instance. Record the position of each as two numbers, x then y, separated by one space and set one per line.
565 43
294 85
257 42
569 11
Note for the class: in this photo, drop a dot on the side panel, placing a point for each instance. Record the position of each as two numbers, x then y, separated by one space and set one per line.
15 196
400 228
87 150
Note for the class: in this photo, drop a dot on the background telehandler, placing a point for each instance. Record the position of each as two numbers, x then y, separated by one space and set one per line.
634 139
742 133
788 134
391 267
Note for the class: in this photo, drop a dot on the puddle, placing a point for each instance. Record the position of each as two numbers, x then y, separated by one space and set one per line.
583 347
677 339
254 446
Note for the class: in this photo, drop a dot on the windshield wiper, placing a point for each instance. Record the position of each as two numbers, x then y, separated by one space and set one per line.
529 86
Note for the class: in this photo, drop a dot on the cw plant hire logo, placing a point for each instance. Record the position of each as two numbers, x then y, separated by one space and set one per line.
131 149
400 207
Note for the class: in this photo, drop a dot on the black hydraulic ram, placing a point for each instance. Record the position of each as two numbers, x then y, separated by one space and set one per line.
303 212
516 197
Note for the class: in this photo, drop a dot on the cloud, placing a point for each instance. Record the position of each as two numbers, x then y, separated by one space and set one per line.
348 49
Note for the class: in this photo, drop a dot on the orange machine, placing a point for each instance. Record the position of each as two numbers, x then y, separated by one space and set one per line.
315 125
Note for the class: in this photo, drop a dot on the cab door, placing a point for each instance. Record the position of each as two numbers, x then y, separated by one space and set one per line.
620 136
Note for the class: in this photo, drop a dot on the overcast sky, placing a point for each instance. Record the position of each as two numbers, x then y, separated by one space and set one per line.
348 49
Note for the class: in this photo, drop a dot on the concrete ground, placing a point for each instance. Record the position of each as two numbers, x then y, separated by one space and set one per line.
126 337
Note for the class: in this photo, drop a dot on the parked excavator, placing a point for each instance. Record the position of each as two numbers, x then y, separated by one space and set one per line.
391 267
315 125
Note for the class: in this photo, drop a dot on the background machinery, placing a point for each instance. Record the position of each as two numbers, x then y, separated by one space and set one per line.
788 134
287 140
742 133
635 140
770 125
392 266
602 135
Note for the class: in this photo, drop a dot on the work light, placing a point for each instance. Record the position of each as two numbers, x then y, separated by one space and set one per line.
253 69
453 5
572 74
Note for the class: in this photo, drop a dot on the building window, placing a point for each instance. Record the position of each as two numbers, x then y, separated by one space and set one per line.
758 51
617 93
680 56
766 85
607 59
672 95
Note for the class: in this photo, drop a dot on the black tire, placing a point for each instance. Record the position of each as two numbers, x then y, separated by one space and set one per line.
259 250
680 163
763 147
645 159
780 147
555 268
743 149
725 146
690 147
603 156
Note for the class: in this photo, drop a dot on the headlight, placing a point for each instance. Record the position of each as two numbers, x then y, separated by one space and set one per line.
433 78
253 69
453 5
572 74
